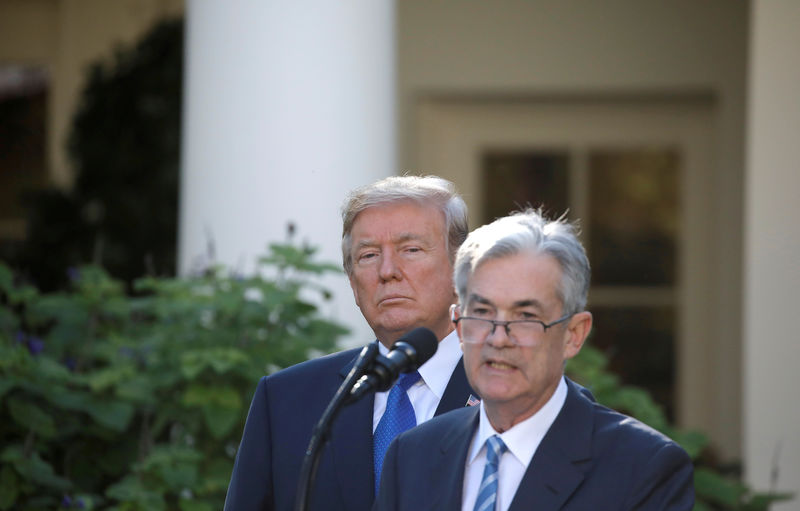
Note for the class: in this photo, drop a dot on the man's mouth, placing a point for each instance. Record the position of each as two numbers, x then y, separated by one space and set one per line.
391 298
497 364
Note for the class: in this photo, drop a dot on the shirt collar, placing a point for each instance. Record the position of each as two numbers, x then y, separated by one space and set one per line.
436 371
524 438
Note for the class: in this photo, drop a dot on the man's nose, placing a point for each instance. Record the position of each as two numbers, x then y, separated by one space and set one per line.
498 336
389 268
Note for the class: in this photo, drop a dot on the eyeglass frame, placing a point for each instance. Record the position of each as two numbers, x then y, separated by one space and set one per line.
505 324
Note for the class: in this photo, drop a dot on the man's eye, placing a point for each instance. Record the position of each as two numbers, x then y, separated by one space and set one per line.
367 256
480 312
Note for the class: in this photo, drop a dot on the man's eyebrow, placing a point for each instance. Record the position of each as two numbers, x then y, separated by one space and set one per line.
407 236
400 238
531 302
364 243
475 297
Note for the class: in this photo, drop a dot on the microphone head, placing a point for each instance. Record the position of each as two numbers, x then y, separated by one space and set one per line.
424 343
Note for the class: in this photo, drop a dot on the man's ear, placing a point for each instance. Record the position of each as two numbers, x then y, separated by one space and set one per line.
453 315
577 331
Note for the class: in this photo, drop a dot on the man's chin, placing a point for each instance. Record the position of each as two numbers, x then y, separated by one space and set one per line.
393 329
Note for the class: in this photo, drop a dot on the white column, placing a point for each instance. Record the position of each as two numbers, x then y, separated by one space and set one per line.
288 105
771 355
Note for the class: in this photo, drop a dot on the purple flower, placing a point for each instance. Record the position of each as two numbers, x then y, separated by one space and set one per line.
35 345
73 274
66 501
20 337
79 504
70 363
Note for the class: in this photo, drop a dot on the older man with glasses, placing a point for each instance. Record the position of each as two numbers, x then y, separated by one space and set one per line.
537 441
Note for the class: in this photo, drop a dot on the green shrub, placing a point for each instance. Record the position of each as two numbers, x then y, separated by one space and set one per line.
138 403
112 401
713 490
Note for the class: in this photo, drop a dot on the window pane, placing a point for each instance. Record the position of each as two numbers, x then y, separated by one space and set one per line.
23 99
514 180
634 216
639 343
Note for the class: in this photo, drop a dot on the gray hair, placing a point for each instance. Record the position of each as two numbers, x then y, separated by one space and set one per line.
426 190
528 231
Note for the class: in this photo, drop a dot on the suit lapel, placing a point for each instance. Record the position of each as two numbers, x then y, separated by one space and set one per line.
457 391
447 486
556 470
351 445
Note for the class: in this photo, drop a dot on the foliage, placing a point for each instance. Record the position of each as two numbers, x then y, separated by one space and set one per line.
138 403
713 490
124 144
118 402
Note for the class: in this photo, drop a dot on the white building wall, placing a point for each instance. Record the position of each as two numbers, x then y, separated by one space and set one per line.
772 251
288 106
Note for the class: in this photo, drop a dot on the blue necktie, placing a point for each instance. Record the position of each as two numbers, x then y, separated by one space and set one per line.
398 417
487 493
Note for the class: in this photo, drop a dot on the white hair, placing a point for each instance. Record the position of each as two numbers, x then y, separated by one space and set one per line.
528 231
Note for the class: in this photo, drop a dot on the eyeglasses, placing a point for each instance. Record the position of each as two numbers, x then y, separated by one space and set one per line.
523 332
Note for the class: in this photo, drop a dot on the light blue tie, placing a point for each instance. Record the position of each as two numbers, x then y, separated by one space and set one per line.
487 493
398 417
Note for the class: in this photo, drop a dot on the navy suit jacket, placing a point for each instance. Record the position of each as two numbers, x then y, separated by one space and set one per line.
591 458
285 408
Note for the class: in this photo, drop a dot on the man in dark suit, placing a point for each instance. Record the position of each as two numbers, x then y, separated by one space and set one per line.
537 441
399 241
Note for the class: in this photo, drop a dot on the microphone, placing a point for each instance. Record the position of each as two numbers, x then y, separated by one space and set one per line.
407 354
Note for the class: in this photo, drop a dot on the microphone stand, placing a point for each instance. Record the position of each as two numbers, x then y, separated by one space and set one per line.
321 433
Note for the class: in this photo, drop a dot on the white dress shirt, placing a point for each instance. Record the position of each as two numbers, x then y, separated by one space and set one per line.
427 392
522 441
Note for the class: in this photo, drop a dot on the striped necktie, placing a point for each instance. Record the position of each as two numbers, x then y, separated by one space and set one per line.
487 493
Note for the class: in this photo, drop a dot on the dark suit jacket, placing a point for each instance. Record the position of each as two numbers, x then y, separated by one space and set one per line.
284 410
591 458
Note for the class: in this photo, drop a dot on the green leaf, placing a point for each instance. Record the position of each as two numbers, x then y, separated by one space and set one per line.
39 471
222 407
192 364
12 453
699 506
692 441
50 369
715 488
131 490
762 501
201 395
194 505
220 359
111 414
220 419
138 389
8 485
112 376
7 384
6 278
223 359
32 417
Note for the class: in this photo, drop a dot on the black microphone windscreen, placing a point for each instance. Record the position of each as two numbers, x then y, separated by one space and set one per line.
424 343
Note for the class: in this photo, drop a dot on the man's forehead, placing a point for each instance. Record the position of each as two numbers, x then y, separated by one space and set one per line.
474 298
399 237
403 219
523 289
